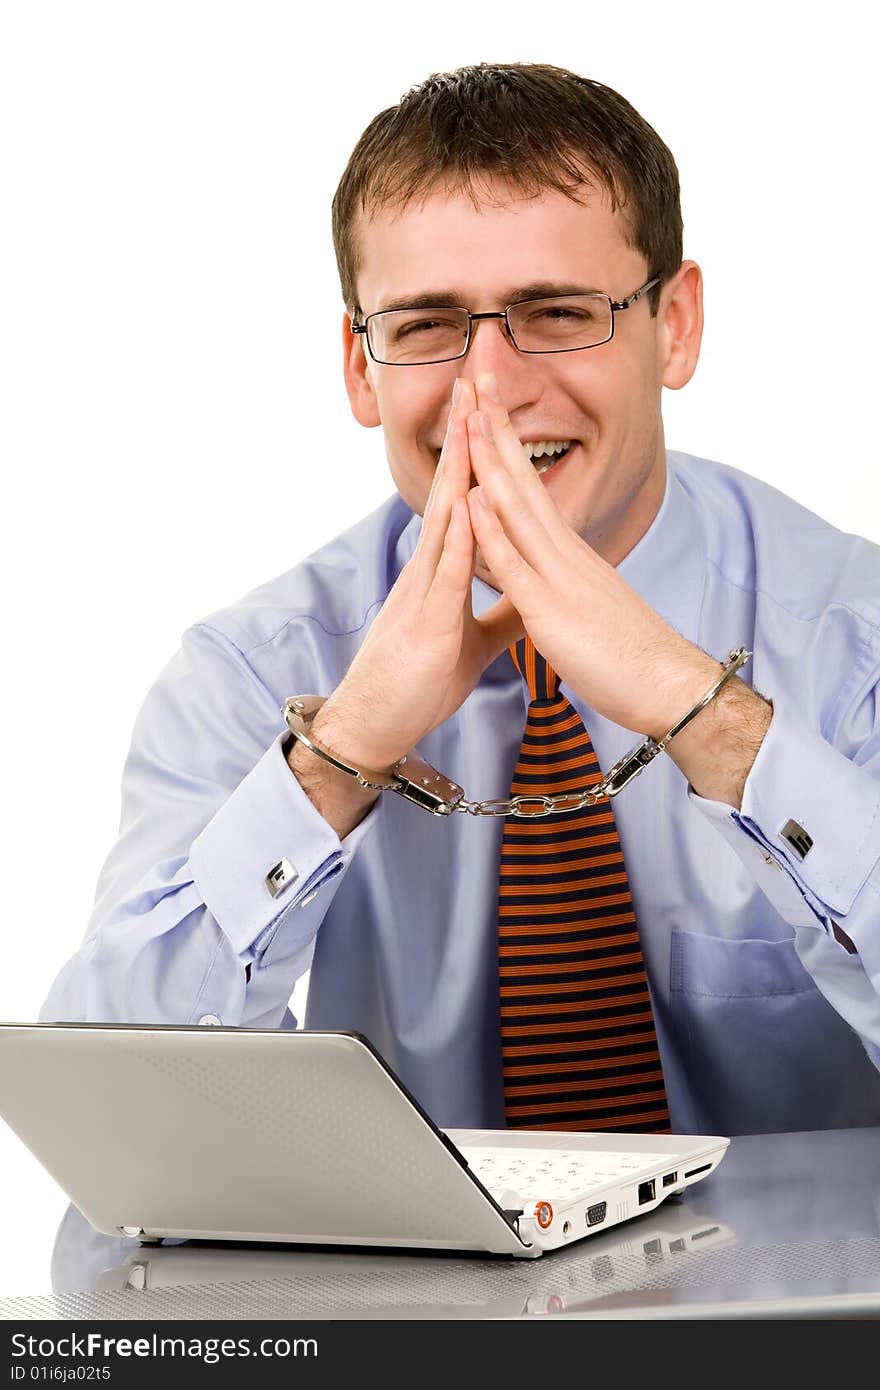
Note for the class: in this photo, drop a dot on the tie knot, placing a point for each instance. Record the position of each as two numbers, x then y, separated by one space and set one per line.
538 675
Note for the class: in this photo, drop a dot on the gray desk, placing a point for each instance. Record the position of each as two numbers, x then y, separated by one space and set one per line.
789 1226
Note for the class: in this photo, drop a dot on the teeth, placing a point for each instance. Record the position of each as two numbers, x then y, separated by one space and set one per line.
537 449
549 449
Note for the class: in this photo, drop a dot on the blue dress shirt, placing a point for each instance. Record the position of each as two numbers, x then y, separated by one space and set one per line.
765 1021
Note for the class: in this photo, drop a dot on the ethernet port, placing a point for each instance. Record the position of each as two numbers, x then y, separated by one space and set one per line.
646 1192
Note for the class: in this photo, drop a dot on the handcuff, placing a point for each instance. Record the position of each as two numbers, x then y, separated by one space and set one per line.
417 781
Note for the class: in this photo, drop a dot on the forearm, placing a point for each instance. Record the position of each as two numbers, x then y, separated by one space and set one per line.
187 923
121 973
159 954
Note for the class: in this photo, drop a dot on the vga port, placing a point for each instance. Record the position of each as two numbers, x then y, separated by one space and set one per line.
596 1214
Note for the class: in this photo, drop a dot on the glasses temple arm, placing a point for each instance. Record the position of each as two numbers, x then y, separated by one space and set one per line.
625 303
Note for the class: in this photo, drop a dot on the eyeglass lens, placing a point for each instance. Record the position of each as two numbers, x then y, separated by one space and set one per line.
413 336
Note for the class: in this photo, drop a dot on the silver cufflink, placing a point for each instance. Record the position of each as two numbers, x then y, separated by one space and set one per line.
800 841
279 876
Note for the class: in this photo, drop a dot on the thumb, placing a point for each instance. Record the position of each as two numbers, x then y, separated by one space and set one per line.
500 626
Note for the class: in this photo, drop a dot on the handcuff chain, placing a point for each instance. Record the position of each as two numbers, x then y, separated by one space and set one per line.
549 805
417 781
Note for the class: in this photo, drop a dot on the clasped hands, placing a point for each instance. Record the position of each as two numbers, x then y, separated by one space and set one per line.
426 650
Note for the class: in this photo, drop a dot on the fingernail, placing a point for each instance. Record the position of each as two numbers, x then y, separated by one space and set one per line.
456 389
491 387
485 426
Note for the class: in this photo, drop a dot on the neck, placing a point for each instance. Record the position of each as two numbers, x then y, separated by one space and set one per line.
622 534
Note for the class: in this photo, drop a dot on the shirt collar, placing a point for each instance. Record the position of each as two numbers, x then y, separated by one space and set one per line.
668 565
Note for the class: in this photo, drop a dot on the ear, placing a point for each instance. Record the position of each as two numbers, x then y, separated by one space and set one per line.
681 325
358 368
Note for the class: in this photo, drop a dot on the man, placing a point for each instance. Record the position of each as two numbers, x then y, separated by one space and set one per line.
509 244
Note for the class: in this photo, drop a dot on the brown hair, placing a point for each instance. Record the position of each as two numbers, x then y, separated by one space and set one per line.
530 125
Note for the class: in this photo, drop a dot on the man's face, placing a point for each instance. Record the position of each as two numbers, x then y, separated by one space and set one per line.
607 399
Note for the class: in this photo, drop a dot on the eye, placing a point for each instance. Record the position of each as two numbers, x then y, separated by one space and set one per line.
563 313
407 330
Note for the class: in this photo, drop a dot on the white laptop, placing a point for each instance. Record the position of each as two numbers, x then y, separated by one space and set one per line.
307 1138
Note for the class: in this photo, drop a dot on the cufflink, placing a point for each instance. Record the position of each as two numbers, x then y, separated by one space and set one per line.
800 841
279 876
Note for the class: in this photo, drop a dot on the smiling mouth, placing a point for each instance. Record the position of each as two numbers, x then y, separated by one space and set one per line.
545 455
548 453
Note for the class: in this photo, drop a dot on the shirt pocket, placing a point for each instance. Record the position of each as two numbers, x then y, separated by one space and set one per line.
762 1048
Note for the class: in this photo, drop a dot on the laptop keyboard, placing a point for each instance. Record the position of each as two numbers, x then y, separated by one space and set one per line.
549 1173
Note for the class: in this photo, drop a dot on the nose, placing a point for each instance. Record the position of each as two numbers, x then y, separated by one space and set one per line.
491 350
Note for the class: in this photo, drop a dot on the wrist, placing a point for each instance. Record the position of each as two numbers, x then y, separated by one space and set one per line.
340 799
680 688
717 750
345 727
717 724
409 776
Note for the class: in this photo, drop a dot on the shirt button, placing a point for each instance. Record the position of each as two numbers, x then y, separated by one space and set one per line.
311 897
768 859
210 1021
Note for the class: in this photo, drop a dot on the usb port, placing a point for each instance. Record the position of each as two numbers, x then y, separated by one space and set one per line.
646 1192
669 1179
596 1214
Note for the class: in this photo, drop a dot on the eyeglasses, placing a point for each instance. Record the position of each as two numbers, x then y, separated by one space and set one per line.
560 323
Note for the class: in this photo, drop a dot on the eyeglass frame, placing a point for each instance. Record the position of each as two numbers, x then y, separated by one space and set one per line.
616 307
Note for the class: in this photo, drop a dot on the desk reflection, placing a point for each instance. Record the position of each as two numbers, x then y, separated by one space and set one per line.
361 1283
786 1217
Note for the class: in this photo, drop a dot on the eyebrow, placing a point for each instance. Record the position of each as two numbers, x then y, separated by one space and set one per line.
447 299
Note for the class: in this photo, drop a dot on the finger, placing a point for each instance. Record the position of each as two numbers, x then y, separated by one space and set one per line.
438 471
522 584
454 461
451 584
451 480
500 626
453 474
510 501
513 456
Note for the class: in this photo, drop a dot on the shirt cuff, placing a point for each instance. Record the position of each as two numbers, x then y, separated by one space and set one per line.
809 826
267 851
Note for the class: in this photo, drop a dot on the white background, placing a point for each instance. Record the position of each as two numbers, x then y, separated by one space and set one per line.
174 425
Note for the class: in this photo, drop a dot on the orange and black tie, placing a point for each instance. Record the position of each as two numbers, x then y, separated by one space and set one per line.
578 1041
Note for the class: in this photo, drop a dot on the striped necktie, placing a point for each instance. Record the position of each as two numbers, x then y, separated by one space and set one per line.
578 1041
